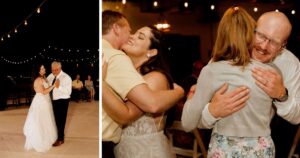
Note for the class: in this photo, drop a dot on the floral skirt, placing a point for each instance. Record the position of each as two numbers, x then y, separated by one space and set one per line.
221 146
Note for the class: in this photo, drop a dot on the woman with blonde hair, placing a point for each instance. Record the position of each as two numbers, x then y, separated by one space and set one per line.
243 131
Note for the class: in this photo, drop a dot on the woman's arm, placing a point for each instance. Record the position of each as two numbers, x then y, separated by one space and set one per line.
39 87
124 114
153 98
192 110
116 108
47 90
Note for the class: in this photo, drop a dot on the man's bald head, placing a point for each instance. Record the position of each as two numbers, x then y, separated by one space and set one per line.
271 34
276 22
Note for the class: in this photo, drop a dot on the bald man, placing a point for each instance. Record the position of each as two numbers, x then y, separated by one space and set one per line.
271 35
286 89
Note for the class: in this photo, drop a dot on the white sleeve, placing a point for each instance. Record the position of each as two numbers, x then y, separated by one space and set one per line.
290 109
65 85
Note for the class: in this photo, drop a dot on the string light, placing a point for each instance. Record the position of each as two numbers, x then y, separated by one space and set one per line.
86 56
186 4
255 9
163 26
293 12
24 22
155 4
212 7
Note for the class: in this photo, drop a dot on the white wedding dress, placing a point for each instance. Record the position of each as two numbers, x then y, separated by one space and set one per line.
143 139
40 128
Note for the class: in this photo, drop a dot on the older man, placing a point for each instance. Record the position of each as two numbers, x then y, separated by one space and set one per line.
60 98
272 32
271 35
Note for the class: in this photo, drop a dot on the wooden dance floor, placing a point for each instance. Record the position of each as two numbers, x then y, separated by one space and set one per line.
81 133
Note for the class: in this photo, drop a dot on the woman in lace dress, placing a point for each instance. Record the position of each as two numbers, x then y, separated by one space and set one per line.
142 135
40 128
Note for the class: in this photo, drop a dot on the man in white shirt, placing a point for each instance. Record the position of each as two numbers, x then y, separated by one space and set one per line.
60 98
77 88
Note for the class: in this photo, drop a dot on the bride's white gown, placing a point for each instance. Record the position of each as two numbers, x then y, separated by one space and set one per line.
143 139
40 128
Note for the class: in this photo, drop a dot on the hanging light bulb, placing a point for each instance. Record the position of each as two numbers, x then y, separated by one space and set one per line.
16 30
8 35
255 9
25 22
38 10
293 12
163 26
186 4
124 2
155 4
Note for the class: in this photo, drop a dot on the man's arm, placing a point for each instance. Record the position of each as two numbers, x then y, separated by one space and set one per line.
114 106
290 108
222 104
270 81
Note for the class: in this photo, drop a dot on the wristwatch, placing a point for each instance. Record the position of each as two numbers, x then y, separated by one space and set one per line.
283 98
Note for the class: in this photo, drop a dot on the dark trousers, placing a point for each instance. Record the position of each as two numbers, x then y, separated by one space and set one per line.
283 134
108 149
60 109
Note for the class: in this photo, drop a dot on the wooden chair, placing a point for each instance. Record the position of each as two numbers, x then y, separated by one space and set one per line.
194 153
295 143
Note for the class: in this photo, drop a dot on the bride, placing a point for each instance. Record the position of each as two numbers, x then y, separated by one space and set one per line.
143 133
40 128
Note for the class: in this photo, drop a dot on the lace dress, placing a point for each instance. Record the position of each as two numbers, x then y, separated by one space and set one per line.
40 129
142 139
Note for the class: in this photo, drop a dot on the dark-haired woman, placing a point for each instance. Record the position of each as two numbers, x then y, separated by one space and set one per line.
142 135
40 128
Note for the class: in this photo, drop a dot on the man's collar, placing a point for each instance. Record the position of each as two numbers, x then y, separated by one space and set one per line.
106 44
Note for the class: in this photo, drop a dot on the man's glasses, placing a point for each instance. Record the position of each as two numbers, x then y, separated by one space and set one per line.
260 38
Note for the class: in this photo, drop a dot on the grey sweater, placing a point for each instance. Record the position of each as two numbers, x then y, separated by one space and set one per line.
251 121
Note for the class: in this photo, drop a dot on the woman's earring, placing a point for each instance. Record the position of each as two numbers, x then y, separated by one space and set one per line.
148 55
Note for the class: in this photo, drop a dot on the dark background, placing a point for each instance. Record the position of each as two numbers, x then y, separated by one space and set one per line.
65 30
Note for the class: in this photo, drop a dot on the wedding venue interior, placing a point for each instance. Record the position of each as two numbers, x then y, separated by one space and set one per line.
190 28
